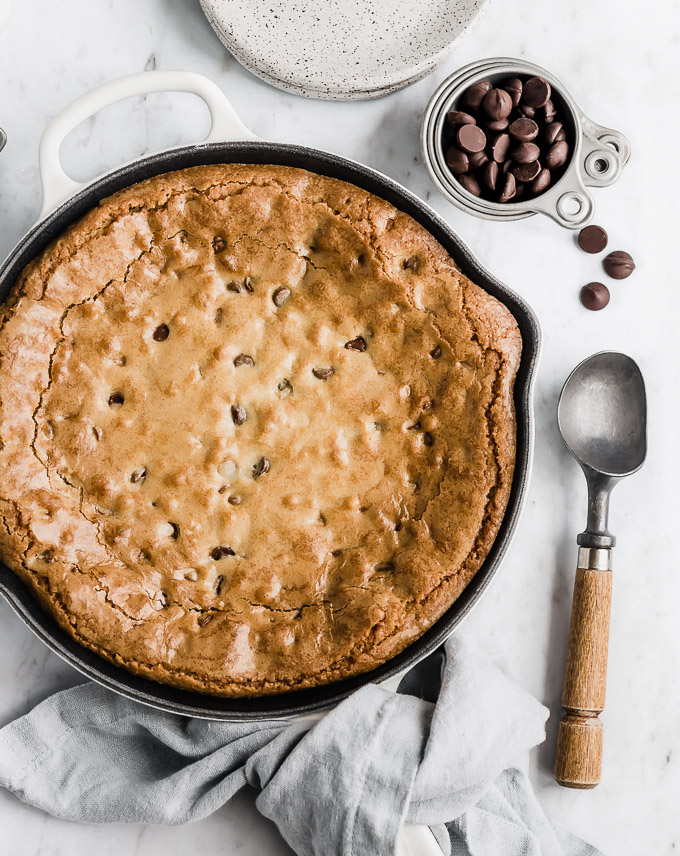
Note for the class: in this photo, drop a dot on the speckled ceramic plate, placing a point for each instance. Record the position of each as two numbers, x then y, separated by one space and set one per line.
341 49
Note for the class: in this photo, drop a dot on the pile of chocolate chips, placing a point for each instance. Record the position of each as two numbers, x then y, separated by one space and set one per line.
507 142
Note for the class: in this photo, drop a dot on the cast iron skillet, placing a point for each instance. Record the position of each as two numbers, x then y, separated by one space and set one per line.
73 200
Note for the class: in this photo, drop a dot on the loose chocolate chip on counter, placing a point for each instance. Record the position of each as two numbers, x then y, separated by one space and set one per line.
509 188
551 132
219 244
470 138
457 161
218 553
618 264
594 296
526 172
474 95
490 175
205 619
525 153
549 112
557 154
524 130
470 183
478 159
281 295
261 467
536 92
500 147
161 333
238 414
138 476
235 500
358 344
323 373
116 398
497 104
458 117
592 239
514 89
542 182
244 360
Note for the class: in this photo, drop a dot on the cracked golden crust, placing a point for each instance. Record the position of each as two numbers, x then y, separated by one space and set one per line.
152 528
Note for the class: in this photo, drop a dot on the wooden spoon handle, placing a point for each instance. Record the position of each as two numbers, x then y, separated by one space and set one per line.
578 760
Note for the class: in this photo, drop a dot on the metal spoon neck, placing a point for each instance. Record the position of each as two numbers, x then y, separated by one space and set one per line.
596 533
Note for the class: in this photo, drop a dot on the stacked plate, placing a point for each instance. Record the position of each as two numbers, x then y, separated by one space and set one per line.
340 49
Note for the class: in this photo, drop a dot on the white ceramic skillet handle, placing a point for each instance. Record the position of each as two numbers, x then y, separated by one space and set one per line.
57 186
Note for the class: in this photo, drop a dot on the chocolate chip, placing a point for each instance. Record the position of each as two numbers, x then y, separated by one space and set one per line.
96 431
536 92
244 360
551 132
478 159
497 126
218 553
281 295
323 373
248 285
116 398
161 333
592 239
497 104
594 296
526 171
457 117
436 352
205 619
223 489
562 135
235 287
523 129
358 344
527 111
514 89
549 111
490 175
542 182
557 155
509 188
285 387
385 567
470 183
219 315
174 534
618 264
261 467
138 475
235 500
238 414
525 153
428 439
474 95
457 161
500 147
412 263
219 244
219 582
470 138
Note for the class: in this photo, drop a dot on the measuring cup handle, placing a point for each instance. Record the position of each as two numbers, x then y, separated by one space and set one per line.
57 186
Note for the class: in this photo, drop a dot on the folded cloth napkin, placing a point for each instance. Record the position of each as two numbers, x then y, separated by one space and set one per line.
440 752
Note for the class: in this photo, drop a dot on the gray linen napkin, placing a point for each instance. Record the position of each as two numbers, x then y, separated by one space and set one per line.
441 752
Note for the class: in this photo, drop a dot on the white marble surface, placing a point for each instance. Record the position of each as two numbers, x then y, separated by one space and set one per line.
624 72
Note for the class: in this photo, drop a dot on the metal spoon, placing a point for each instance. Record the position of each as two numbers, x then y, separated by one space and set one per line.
602 415
3 139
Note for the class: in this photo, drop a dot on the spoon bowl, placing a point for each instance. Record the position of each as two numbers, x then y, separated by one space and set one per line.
602 414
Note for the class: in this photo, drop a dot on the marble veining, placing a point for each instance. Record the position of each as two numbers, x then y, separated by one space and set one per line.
620 69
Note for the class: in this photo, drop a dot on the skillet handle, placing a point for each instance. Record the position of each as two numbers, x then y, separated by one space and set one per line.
57 186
